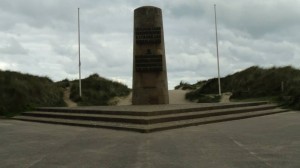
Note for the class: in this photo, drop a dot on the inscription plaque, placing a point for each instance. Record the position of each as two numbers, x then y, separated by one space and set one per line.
148 63
148 35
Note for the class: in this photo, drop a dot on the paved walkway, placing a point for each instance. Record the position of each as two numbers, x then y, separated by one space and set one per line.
261 142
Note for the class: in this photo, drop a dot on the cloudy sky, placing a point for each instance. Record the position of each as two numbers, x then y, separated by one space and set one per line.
40 37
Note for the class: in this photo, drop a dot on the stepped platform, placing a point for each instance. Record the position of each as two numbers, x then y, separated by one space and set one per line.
149 118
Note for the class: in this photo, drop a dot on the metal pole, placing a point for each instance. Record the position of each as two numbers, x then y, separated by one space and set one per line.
80 93
219 80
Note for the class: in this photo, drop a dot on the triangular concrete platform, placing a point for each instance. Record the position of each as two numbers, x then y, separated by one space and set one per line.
149 118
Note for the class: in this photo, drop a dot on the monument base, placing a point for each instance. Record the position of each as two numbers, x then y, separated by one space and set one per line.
150 118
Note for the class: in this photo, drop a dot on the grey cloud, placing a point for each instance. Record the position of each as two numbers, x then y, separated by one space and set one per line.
13 47
182 9
258 18
251 32
38 14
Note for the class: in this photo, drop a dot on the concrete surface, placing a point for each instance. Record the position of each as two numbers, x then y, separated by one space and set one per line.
261 142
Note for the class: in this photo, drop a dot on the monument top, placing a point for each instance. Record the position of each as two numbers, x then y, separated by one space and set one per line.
147 7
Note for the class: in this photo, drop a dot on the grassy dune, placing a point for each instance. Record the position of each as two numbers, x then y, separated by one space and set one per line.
97 90
281 84
20 92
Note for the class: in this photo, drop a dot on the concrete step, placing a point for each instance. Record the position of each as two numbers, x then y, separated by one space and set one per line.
212 119
85 123
148 119
149 110
152 127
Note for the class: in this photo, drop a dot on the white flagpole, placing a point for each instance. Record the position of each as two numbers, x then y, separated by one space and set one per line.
80 93
219 80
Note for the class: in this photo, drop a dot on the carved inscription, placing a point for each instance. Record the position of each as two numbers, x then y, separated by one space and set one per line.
148 35
148 63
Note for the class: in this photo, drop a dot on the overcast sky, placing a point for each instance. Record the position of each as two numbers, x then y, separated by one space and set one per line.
40 37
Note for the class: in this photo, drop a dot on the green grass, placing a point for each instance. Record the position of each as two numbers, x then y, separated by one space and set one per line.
202 98
257 83
20 92
97 90
186 86
270 99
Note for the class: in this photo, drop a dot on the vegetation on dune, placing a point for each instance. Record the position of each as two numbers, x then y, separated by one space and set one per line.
20 92
196 95
202 98
63 83
97 90
186 86
281 83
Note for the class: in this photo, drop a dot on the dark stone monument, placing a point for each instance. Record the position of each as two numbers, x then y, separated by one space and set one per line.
150 84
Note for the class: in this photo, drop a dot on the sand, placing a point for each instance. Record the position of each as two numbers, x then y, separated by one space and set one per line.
67 99
175 97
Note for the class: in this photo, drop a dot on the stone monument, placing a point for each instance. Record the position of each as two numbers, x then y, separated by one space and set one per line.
150 84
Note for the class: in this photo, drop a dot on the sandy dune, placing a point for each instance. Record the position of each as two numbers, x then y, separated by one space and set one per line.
175 97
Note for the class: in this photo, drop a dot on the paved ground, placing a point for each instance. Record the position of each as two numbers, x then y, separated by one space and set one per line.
269 141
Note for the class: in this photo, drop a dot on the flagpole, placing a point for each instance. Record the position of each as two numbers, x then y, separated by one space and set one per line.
217 45
80 93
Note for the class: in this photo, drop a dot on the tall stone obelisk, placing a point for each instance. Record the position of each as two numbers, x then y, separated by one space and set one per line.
150 84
